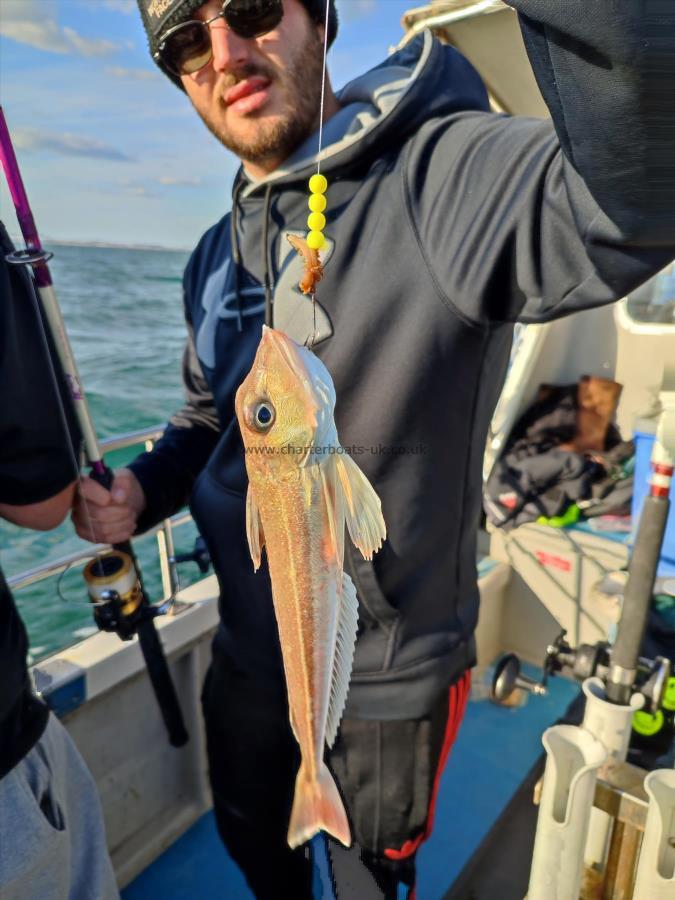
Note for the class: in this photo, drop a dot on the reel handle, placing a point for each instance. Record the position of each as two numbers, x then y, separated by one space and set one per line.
508 678
200 555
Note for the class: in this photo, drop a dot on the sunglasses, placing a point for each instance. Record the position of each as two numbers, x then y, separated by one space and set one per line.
186 48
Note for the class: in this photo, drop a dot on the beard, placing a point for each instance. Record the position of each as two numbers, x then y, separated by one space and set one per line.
300 82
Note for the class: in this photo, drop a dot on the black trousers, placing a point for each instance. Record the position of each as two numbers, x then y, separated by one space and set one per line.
387 773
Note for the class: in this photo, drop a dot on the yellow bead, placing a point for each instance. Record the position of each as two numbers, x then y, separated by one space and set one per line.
317 202
318 184
315 240
316 221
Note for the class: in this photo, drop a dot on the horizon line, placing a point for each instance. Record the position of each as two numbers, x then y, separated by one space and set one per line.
104 245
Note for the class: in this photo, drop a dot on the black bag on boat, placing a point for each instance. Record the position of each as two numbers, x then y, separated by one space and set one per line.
539 472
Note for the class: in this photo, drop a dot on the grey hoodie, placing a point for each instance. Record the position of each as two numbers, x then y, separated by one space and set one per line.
446 224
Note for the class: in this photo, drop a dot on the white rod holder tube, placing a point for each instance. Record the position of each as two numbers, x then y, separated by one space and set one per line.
656 868
573 759
611 724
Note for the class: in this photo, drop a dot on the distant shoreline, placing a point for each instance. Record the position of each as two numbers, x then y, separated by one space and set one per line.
104 245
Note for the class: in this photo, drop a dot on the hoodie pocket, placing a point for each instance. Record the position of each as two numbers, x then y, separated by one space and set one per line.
374 608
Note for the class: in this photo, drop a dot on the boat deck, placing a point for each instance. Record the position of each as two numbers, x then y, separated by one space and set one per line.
495 750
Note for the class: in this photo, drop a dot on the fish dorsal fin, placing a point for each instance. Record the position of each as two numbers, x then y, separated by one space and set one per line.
254 529
363 511
348 617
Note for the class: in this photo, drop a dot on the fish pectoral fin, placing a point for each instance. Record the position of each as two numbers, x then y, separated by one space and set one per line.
363 510
348 617
254 529
294 725
333 509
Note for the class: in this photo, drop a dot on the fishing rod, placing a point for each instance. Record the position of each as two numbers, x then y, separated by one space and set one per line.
114 581
644 565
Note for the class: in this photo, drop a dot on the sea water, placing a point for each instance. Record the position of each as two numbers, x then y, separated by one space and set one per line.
124 314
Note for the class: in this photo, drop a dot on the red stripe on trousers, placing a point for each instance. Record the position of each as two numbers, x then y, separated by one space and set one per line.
459 694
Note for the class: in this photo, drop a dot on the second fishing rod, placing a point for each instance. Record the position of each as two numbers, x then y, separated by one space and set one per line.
114 580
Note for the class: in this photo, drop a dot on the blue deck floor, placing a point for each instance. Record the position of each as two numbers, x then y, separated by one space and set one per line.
495 749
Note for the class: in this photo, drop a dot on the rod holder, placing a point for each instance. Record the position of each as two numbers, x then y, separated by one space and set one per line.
656 867
573 758
609 722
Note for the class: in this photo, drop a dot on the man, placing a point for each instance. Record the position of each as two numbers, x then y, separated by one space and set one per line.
52 838
446 224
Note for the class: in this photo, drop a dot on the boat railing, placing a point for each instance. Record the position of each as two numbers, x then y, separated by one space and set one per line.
163 532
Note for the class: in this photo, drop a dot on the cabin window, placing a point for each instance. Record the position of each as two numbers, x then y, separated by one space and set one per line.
654 302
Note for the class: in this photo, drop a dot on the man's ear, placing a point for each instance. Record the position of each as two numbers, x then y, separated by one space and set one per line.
321 31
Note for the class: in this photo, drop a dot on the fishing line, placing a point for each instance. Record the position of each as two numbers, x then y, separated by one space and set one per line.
318 157
59 593
74 458
323 85
69 445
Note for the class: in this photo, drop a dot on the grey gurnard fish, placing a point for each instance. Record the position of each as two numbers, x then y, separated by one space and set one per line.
303 490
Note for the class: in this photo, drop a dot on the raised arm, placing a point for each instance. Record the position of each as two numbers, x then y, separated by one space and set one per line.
606 69
524 218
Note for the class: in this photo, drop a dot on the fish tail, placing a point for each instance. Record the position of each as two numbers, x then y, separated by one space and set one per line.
317 806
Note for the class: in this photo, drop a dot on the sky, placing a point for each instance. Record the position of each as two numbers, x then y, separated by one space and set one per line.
109 149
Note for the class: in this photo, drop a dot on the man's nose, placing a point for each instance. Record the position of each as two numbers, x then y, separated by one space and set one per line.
229 50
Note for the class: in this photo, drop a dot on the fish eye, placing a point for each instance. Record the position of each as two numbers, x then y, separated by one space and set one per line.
263 416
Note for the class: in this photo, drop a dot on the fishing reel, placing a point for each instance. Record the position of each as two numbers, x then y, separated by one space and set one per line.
200 555
584 662
115 592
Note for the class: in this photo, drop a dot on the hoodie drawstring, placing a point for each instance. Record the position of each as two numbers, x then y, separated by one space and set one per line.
236 254
234 243
267 264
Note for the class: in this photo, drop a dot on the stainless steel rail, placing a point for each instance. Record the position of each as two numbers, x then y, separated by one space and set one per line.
163 531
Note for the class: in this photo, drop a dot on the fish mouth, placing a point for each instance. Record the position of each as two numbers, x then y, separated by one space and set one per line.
285 347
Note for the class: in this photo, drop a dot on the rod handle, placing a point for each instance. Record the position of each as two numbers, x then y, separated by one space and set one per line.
151 646
638 595
162 684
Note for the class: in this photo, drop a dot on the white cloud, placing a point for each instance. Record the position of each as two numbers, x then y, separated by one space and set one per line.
351 10
88 46
131 189
123 6
138 190
170 180
66 144
33 22
136 74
